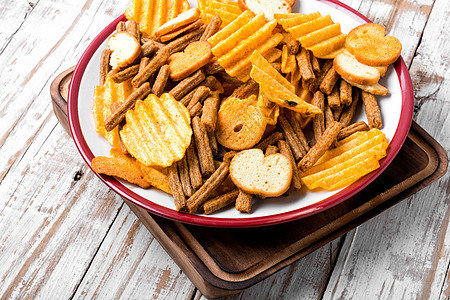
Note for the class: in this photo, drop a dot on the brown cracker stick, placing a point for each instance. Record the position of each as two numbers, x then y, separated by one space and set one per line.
213 68
209 113
187 84
213 142
322 145
372 110
161 80
345 92
205 191
337 113
349 111
183 171
180 43
133 29
155 63
143 63
244 202
249 88
328 82
121 26
119 114
286 151
196 110
104 65
271 149
200 94
212 28
315 65
291 138
149 48
194 166
329 118
351 129
333 99
304 64
125 74
186 28
176 187
318 120
296 126
219 202
202 144
325 68
270 140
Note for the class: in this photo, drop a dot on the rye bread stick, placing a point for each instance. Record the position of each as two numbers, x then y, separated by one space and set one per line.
209 82
304 64
143 63
270 140
351 129
271 149
125 74
329 118
196 110
209 113
349 111
182 42
213 68
133 29
204 192
372 110
296 126
119 114
169 36
325 68
154 64
286 151
219 202
194 166
205 155
183 171
315 65
187 84
249 88
328 82
334 101
291 138
176 187
104 65
213 142
318 120
212 28
121 26
345 93
293 45
322 145
244 202
161 80
148 48
199 95
337 113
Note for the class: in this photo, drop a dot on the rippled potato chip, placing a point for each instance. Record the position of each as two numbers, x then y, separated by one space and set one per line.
157 131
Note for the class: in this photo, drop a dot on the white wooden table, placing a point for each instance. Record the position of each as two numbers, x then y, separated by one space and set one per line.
64 234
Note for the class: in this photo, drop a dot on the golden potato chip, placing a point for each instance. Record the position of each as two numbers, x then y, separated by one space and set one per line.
330 46
228 11
240 123
152 14
156 178
104 96
157 131
320 35
295 19
271 114
288 61
308 27
228 30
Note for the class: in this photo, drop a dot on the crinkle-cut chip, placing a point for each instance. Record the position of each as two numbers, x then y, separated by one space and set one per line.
320 35
120 165
271 114
104 96
228 11
156 178
325 48
151 14
157 131
288 61
280 94
308 27
295 19
228 30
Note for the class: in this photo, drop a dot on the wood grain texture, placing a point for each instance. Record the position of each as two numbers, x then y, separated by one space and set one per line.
64 234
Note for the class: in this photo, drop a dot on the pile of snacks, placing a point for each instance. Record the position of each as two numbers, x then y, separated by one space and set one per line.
220 106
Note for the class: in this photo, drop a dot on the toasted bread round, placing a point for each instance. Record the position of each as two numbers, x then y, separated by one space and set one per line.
352 70
125 49
370 46
195 56
254 173
268 7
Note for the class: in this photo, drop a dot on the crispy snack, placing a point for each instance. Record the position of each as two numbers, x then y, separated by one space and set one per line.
176 187
156 178
125 74
234 44
244 202
118 115
204 192
200 94
270 110
372 110
240 123
286 151
120 165
182 42
333 98
157 131
104 65
355 157
196 110
212 28
149 47
169 36
213 68
345 93
288 62
219 202
210 82
291 138
104 97
152 14
161 80
194 166
319 119
133 29
276 88
226 10
304 64
337 113
155 63
121 26
213 142
143 63
271 149
205 155
322 145
297 127
194 56
328 82
329 118
125 48
209 113
183 172
351 129
187 84
349 111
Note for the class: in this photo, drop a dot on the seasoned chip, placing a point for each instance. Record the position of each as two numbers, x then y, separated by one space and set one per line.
288 61
157 131
228 11
270 113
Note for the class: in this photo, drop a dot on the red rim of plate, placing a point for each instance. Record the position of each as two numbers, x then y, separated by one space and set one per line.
396 143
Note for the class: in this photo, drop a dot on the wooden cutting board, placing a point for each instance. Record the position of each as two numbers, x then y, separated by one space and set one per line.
225 261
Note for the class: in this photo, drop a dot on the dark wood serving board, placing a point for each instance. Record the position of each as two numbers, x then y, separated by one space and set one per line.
225 261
